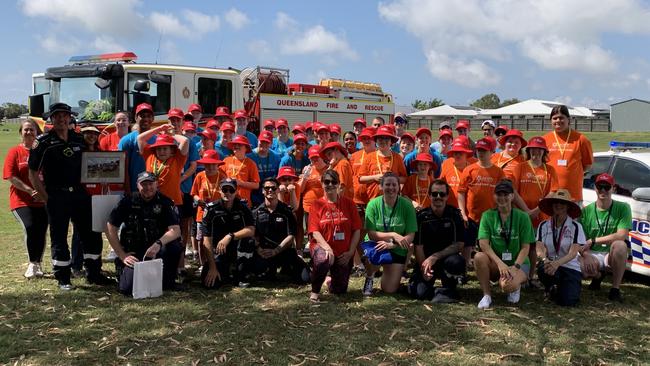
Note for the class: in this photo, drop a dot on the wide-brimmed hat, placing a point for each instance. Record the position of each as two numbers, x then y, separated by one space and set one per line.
163 140
332 145
59 107
368 132
460 145
385 131
513 133
89 128
240 140
561 196
424 157
287 171
210 157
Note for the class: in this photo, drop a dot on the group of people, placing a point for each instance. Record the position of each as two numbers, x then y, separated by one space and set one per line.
378 202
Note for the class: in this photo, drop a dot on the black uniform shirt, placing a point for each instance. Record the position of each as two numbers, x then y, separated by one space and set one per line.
217 221
59 160
271 228
144 221
437 233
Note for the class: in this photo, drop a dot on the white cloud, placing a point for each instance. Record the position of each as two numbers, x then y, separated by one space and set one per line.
169 24
260 48
236 19
170 54
320 41
470 73
554 34
202 22
284 21
564 99
56 45
193 26
107 44
114 18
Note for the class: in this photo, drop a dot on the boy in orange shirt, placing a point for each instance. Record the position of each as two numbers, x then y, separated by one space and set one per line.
165 158
205 188
475 193
356 161
335 154
381 161
416 187
242 168
459 157
512 142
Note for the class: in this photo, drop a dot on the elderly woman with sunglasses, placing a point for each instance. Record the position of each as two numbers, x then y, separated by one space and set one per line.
334 228
504 235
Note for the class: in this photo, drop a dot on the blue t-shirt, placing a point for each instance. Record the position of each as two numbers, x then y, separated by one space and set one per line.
192 155
413 154
281 147
267 167
297 165
252 139
135 161
223 151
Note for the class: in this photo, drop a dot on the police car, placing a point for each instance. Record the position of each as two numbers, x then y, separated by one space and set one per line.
631 170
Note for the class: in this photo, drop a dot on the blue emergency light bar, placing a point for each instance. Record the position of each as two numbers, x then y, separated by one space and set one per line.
622 145
106 57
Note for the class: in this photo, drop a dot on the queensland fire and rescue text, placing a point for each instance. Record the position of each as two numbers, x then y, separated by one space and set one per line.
334 106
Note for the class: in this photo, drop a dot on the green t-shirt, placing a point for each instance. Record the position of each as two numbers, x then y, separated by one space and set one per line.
597 223
401 221
520 232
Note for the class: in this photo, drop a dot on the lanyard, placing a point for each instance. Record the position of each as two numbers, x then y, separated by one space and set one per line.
563 148
390 218
417 190
505 162
379 164
158 167
212 189
557 241
235 173
541 189
363 155
506 235
601 229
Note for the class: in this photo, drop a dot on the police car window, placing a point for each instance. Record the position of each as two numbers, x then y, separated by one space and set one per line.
630 175
601 165
159 95
214 93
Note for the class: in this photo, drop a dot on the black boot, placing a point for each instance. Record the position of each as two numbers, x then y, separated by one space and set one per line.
62 275
94 274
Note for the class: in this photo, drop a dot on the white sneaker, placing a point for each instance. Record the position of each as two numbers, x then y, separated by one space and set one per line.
514 296
31 271
38 271
111 256
485 302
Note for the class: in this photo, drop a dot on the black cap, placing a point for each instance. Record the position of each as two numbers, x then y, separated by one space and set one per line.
59 107
147 176
228 182
505 186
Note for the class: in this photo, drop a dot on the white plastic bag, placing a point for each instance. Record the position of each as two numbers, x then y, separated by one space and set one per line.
147 278
102 207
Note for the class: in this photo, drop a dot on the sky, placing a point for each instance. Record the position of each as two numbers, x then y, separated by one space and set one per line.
581 52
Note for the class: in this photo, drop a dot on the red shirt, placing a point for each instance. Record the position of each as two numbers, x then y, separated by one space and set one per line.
16 166
109 142
328 218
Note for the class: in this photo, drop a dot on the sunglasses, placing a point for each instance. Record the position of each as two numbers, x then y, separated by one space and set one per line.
329 182
227 189
270 188
603 187
437 194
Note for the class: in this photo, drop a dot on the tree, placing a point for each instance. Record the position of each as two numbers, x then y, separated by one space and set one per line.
488 101
432 103
510 101
13 110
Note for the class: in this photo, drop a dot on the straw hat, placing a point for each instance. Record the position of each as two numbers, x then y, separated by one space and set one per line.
561 196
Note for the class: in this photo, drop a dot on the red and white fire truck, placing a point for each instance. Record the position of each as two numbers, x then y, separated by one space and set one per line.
98 86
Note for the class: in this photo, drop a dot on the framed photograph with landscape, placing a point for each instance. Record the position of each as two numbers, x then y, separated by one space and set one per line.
103 167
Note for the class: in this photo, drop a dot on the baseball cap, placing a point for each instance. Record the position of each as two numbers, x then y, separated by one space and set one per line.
504 186
484 144
175 112
146 176
488 122
188 126
444 124
400 118
605 178
228 182
194 107
240 114
462 123
143 107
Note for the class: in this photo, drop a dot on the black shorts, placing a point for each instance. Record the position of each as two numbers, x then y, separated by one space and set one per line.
187 209
398 259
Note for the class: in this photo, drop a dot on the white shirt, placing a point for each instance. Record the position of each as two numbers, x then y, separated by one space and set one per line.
571 233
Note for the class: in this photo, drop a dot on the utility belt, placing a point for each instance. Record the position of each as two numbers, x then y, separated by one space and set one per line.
64 189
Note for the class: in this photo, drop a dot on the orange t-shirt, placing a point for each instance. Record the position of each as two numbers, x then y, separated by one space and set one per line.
533 184
506 164
169 174
284 197
576 149
478 184
452 175
376 164
242 170
356 161
207 188
417 189
313 189
346 176
109 142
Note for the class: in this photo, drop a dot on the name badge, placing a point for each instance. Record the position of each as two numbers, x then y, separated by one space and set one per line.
339 236
562 162
506 256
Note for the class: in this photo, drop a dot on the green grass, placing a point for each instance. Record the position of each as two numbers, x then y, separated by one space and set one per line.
39 325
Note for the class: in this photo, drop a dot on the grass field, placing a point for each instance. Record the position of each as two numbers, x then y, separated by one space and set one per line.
39 325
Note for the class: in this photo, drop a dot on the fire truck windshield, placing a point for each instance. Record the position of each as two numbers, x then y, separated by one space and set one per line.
85 98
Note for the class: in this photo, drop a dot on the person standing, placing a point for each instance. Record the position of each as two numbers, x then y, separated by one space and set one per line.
25 203
511 156
129 143
569 152
459 157
242 168
56 155
335 155
241 123
111 141
380 161
267 161
283 142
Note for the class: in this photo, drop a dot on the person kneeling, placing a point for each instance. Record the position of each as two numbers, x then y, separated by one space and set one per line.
438 243
230 221
151 230
275 230
505 234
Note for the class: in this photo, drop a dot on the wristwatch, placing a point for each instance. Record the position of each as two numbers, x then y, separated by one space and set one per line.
517 265
232 236
158 242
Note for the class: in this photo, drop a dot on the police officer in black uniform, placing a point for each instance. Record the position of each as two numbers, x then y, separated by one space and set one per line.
228 231
438 243
151 230
275 230
57 156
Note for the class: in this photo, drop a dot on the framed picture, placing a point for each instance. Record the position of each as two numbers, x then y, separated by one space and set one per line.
103 167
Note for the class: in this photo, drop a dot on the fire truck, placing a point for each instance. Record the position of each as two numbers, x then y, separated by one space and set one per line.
97 86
